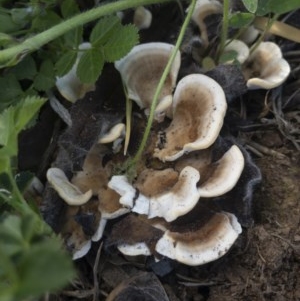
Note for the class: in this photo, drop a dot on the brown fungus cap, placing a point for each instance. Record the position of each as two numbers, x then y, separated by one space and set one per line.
199 107
173 202
224 174
197 246
142 68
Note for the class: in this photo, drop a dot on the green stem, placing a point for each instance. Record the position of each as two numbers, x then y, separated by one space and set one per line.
265 31
22 207
14 54
225 25
141 148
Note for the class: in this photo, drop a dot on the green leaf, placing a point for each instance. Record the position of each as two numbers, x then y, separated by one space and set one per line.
65 63
45 79
240 20
45 268
11 240
69 8
251 5
120 43
276 6
10 90
6 125
12 121
26 110
103 30
6 39
73 38
90 66
20 16
26 69
45 20
6 23
228 56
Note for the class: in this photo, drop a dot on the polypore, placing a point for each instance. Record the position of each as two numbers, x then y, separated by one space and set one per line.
70 193
69 85
199 106
195 246
142 17
203 9
178 199
240 48
141 70
265 68
192 243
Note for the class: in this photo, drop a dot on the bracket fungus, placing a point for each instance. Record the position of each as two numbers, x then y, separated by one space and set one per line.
225 174
69 85
142 17
199 107
70 193
178 200
240 48
265 68
142 68
203 9
201 245
192 242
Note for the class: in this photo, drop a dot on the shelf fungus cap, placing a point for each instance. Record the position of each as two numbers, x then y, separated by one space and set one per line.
225 174
113 134
265 68
142 68
197 246
169 204
142 17
199 107
181 198
240 48
66 190
203 9
69 85
139 248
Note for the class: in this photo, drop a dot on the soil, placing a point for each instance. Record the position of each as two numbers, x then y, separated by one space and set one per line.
263 264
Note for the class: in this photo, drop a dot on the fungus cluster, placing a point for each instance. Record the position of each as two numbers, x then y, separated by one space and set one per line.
165 209
178 171
262 65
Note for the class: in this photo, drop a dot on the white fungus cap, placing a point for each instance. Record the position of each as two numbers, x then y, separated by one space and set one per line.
136 249
199 107
69 85
203 9
114 133
141 70
199 246
66 190
179 200
226 173
241 49
265 68
142 17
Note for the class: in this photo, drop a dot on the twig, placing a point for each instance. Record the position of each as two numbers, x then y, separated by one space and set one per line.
265 150
259 254
95 274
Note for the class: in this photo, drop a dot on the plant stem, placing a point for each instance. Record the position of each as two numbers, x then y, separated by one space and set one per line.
141 148
225 25
18 202
267 26
13 54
